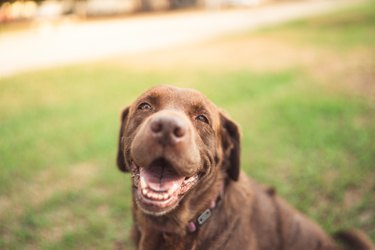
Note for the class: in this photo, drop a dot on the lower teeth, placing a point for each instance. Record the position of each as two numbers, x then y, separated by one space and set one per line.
155 196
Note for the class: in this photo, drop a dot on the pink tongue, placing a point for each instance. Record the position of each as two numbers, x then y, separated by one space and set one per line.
161 179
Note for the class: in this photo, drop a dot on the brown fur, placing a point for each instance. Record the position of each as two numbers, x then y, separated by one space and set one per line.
246 216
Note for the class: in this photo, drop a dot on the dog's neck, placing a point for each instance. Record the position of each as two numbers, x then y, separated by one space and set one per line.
198 222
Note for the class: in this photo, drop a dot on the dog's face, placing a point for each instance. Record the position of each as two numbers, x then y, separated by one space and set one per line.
172 139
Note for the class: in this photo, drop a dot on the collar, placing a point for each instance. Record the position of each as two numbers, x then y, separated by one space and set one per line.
195 224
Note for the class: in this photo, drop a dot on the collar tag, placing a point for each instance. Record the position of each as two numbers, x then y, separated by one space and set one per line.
204 216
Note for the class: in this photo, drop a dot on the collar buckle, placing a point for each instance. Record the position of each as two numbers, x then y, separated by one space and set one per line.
204 217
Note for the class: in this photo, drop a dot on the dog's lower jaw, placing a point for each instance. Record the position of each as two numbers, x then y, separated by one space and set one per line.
175 213
156 213
170 204
157 199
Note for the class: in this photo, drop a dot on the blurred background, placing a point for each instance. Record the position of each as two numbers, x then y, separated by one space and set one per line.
298 77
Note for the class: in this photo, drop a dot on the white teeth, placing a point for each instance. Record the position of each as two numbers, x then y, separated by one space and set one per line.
155 192
144 191
155 196
143 182
173 188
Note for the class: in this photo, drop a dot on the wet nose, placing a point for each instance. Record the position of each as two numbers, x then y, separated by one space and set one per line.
168 129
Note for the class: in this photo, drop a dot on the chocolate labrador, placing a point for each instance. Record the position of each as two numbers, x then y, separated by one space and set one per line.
188 190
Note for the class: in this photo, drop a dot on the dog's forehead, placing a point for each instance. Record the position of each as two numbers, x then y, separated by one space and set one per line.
180 98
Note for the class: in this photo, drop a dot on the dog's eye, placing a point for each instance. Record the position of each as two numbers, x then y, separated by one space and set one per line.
144 106
202 118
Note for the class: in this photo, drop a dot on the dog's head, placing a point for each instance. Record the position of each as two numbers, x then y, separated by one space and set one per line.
172 139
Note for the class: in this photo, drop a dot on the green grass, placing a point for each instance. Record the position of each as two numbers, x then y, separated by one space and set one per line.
59 185
347 29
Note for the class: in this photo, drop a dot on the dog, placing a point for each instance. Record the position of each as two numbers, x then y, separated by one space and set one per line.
188 191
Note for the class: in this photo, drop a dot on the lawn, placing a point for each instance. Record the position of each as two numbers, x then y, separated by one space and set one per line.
303 94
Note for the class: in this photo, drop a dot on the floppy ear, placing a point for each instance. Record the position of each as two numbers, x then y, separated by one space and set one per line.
231 147
120 153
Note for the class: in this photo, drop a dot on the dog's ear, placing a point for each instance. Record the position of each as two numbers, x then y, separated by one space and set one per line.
120 153
231 147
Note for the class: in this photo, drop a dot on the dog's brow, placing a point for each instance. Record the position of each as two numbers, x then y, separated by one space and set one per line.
152 99
199 108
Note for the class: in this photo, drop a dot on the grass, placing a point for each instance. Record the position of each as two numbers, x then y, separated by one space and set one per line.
350 29
311 137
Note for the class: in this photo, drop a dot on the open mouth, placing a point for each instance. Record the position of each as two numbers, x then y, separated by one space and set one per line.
159 186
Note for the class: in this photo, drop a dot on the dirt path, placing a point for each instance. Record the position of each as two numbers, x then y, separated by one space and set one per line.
51 45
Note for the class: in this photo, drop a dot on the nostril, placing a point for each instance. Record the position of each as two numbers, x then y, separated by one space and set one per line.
156 126
168 129
179 131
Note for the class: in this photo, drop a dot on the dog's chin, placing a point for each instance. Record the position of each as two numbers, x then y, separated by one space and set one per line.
158 188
